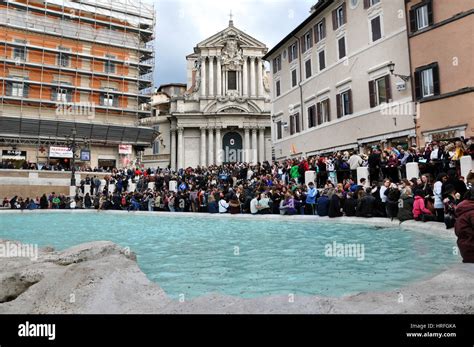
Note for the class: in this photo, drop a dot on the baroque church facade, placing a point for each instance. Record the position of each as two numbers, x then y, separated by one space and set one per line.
224 114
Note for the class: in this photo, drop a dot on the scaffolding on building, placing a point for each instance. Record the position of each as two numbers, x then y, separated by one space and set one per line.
59 52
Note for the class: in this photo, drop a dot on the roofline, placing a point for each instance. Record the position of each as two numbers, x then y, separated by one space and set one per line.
318 9
172 85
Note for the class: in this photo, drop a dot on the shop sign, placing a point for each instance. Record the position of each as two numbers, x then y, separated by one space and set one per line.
10 154
445 135
125 149
85 155
60 152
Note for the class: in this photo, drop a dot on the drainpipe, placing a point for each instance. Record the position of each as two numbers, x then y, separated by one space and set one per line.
300 62
413 96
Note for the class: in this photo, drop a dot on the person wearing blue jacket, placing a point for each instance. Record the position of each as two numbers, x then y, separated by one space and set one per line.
311 197
323 204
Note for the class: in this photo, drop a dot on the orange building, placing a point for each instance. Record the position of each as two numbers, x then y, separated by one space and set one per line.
85 65
441 49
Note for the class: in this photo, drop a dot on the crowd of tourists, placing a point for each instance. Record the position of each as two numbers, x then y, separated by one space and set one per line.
438 194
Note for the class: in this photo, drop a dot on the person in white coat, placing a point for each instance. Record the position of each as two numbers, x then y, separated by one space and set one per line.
223 205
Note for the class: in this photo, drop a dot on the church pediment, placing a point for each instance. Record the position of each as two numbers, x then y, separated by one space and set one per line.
231 33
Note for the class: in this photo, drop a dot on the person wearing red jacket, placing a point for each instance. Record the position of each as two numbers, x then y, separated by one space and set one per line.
464 227
420 212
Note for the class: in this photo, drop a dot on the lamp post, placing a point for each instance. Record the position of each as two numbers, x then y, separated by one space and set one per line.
73 163
391 67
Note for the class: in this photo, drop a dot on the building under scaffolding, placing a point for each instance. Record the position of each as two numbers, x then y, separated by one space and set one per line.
83 65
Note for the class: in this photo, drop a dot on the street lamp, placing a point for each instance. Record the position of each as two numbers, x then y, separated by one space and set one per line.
391 67
73 148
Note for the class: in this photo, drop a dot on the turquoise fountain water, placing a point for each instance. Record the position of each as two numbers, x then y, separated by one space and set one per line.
195 256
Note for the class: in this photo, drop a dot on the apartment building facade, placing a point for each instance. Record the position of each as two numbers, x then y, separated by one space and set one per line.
82 65
441 46
332 83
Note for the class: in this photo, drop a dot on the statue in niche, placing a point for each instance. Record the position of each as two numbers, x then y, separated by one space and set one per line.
197 71
266 82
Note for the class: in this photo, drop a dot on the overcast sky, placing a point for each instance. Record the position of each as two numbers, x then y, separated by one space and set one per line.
181 24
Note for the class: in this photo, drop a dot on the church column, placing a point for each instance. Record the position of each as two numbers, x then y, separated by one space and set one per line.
254 146
173 149
245 78
261 144
252 76
259 77
211 76
219 155
203 146
219 77
247 144
224 82
210 157
203 76
237 76
180 148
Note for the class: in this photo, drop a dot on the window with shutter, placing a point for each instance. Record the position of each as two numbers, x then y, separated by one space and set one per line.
342 47
277 64
278 88
376 29
326 111
339 16
320 30
381 91
311 116
370 3
294 78
372 94
344 14
344 106
418 94
339 105
436 84
292 125
319 113
292 52
322 60
297 123
349 92
308 68
307 41
278 126
388 89
413 26
421 16
427 81
430 12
